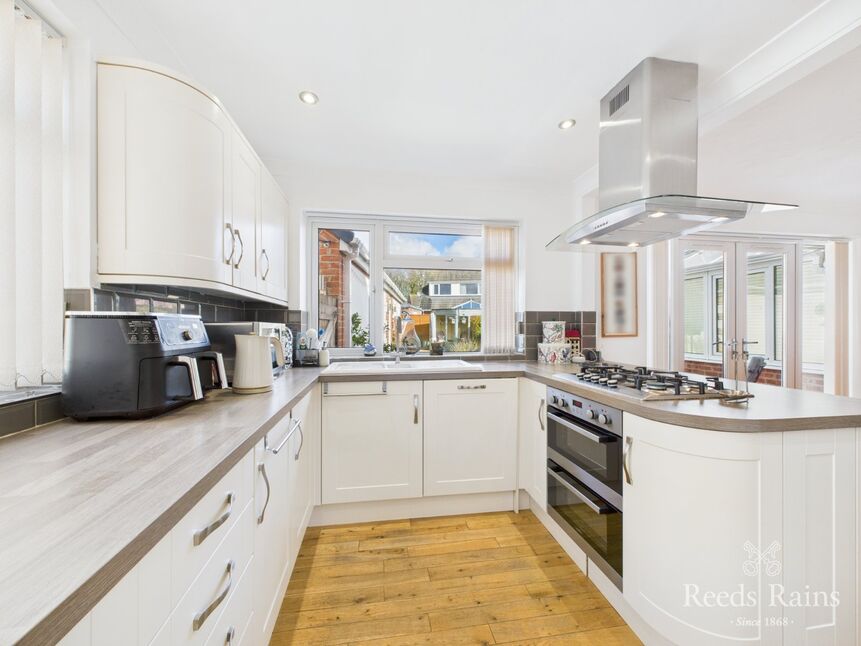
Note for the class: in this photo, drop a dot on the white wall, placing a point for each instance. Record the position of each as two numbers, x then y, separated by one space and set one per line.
552 280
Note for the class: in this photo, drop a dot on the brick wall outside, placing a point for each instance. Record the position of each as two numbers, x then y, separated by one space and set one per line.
706 368
333 285
812 381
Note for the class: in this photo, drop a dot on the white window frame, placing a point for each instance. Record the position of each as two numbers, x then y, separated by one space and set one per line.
379 226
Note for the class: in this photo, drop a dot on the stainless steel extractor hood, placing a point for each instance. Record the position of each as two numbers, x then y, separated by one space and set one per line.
647 165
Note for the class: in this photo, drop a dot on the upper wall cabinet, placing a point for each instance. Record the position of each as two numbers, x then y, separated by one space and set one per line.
182 198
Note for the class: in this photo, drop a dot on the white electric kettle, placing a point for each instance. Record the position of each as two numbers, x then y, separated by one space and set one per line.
252 372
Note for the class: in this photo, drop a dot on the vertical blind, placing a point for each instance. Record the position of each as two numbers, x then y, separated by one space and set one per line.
499 276
31 201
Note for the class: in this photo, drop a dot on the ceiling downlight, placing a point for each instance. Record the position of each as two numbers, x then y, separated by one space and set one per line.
308 97
567 124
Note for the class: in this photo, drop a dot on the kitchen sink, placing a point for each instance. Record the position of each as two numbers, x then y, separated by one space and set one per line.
390 367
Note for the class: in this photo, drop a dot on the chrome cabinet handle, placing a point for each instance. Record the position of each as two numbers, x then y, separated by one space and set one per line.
201 617
626 457
415 409
241 248
590 435
541 412
231 633
284 441
580 496
229 259
301 438
268 263
261 468
201 534
481 387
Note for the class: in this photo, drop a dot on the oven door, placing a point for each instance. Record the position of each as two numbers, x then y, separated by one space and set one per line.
587 452
593 523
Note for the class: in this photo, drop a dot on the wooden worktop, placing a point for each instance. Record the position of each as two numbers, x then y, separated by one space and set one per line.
83 502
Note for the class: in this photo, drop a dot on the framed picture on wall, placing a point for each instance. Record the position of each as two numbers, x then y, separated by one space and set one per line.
619 294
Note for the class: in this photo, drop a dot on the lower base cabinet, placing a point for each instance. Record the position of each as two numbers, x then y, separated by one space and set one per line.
532 429
470 438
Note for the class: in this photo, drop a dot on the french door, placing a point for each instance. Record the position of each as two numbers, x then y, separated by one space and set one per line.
735 310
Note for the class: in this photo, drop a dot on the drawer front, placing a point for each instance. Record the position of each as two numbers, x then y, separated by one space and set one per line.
232 624
196 537
200 610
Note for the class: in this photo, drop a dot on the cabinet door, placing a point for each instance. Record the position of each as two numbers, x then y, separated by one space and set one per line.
245 213
818 551
532 469
163 177
272 254
271 518
699 509
372 441
306 455
470 443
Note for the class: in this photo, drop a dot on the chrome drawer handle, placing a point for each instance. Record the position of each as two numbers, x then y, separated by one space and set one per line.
284 440
415 409
201 617
261 468
231 633
481 387
626 457
542 407
229 258
201 534
301 438
268 263
241 249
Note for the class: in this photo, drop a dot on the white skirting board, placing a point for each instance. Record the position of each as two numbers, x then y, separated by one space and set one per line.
364 512
645 632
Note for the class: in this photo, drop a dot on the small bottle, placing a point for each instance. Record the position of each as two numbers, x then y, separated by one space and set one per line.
323 357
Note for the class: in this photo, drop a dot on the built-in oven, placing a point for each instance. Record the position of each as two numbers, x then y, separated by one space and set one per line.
584 476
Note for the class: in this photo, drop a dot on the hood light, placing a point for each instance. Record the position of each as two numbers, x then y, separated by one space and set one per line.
306 96
585 242
720 219
657 214
567 124
633 244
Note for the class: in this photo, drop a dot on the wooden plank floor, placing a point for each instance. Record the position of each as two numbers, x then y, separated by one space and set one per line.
495 578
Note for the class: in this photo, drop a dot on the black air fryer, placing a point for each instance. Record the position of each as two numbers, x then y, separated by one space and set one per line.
134 364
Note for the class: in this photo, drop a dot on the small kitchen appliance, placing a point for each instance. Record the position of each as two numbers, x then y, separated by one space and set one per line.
252 370
222 336
132 364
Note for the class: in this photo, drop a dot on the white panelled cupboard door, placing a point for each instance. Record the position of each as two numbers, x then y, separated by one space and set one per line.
164 152
532 410
245 213
470 443
372 441
306 456
699 507
818 552
272 247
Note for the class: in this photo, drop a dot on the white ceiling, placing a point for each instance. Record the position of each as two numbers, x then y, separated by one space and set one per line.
803 146
468 89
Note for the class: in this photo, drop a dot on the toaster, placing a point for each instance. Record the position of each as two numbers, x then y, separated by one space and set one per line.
132 364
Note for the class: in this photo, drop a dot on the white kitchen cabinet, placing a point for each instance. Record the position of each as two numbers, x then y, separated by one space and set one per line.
183 199
470 439
274 470
696 502
245 213
532 440
272 242
305 453
164 152
818 551
372 441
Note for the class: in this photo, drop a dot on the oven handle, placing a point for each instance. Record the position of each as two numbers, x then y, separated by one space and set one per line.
589 435
598 509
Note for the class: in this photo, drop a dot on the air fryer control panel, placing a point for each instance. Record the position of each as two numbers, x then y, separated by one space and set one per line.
140 331
182 330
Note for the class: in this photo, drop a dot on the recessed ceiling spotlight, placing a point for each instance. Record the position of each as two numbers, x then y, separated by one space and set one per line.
657 214
633 244
720 219
585 242
567 124
306 96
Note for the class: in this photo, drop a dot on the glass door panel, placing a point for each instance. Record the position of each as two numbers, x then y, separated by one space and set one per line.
813 317
703 309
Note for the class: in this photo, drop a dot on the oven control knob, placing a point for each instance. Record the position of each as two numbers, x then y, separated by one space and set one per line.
555 399
564 404
590 414
603 419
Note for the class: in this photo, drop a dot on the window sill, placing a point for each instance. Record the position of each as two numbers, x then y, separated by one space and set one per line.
28 394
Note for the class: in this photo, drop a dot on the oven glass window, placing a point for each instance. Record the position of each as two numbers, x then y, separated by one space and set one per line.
601 528
599 459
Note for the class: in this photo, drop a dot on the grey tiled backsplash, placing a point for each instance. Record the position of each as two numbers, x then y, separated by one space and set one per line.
530 334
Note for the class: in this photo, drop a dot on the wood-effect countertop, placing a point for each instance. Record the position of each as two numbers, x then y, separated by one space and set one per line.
82 502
